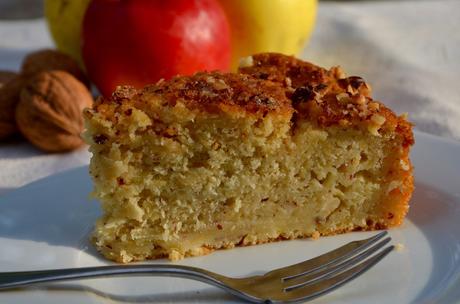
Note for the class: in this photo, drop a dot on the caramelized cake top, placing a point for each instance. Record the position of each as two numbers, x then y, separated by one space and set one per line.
327 97
270 83
212 92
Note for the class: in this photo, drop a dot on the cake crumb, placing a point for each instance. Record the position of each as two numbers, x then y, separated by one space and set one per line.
315 235
175 255
399 247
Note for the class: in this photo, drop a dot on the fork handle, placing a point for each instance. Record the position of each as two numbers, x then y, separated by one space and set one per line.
10 280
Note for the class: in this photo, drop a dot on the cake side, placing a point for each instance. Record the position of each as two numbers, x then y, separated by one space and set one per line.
215 160
330 97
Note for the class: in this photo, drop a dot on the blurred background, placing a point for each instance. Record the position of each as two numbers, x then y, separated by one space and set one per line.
21 9
408 50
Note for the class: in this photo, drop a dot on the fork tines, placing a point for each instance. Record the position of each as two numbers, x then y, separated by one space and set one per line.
320 275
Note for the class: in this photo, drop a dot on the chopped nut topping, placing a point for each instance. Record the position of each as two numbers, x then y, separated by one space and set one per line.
170 132
123 93
362 109
343 97
215 145
288 81
355 81
302 94
359 100
320 87
378 119
210 80
367 86
269 101
100 139
246 62
355 85
373 106
344 122
362 113
351 90
340 74
220 85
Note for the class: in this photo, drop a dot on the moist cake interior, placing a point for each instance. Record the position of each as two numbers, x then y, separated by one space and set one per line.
181 178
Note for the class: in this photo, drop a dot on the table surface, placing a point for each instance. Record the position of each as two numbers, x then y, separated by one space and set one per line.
409 51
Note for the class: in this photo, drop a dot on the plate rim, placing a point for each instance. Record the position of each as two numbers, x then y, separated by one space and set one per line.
446 141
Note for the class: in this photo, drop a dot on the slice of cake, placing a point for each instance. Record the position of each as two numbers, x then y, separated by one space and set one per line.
284 149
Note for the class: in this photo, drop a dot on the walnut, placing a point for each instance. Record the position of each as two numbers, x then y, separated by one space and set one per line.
6 76
48 60
49 113
302 94
10 87
355 85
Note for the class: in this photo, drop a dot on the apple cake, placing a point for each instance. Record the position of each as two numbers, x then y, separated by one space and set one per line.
282 149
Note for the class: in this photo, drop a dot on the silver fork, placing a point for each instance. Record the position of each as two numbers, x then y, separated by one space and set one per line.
299 282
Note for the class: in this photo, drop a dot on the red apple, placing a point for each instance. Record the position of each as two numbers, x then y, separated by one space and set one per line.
137 42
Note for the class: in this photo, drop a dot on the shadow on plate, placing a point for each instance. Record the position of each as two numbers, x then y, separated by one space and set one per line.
432 210
4 190
55 210
65 217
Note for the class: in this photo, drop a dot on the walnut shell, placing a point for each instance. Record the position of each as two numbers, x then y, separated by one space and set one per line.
48 60
6 76
49 113
10 88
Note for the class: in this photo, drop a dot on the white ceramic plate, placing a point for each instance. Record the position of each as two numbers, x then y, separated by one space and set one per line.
46 225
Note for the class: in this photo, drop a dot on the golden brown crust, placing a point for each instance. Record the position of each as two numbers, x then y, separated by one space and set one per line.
327 96
210 92
274 83
277 68
305 96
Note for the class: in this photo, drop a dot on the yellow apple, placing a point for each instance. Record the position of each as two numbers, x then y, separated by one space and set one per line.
269 26
64 18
